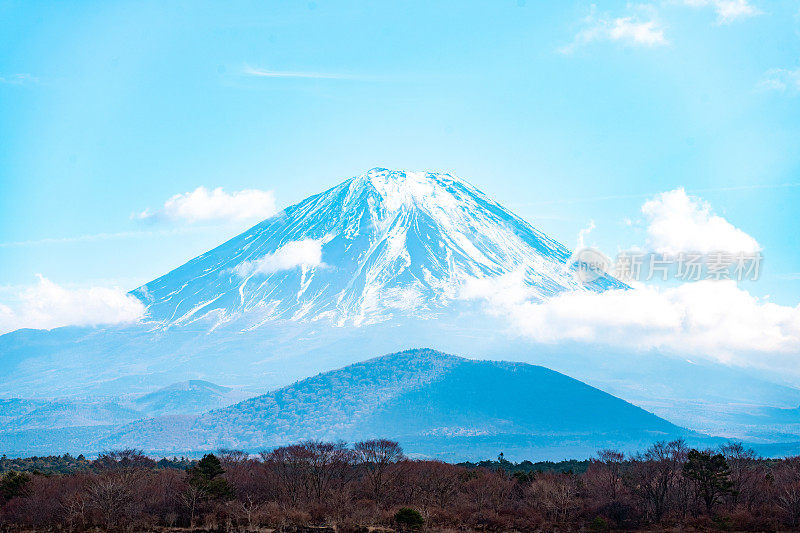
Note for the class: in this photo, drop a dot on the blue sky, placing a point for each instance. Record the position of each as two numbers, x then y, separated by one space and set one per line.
565 112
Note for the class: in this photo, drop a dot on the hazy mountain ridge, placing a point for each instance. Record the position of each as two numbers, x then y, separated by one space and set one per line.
188 397
422 398
25 414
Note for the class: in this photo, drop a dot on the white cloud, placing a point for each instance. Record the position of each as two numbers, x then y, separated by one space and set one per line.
713 319
727 10
583 234
202 205
781 79
629 30
307 252
643 27
48 305
502 292
638 32
264 73
677 222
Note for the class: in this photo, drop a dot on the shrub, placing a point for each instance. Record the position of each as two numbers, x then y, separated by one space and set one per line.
408 517
13 484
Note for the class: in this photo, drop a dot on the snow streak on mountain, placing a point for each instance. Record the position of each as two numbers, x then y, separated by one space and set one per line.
380 245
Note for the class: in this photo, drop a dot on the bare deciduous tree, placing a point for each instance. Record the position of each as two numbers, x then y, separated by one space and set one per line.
787 484
377 457
363 486
656 474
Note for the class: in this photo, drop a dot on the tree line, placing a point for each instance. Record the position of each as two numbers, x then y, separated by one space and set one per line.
334 486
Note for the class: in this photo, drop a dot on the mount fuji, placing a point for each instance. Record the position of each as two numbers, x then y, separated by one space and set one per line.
377 264
377 246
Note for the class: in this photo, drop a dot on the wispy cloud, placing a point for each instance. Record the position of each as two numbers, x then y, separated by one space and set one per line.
583 234
630 30
727 10
781 79
18 79
265 73
203 205
101 237
304 253
603 198
640 25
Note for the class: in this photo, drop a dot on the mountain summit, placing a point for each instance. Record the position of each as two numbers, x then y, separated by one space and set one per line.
378 245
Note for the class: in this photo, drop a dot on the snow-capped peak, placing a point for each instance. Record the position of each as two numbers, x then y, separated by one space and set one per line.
404 189
379 245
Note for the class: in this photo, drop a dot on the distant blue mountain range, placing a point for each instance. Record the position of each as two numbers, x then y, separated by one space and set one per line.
436 405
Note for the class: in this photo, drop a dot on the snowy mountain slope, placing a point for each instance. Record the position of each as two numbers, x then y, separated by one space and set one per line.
379 245
433 403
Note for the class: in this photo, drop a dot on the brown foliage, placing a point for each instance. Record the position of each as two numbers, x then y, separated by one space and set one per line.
314 484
